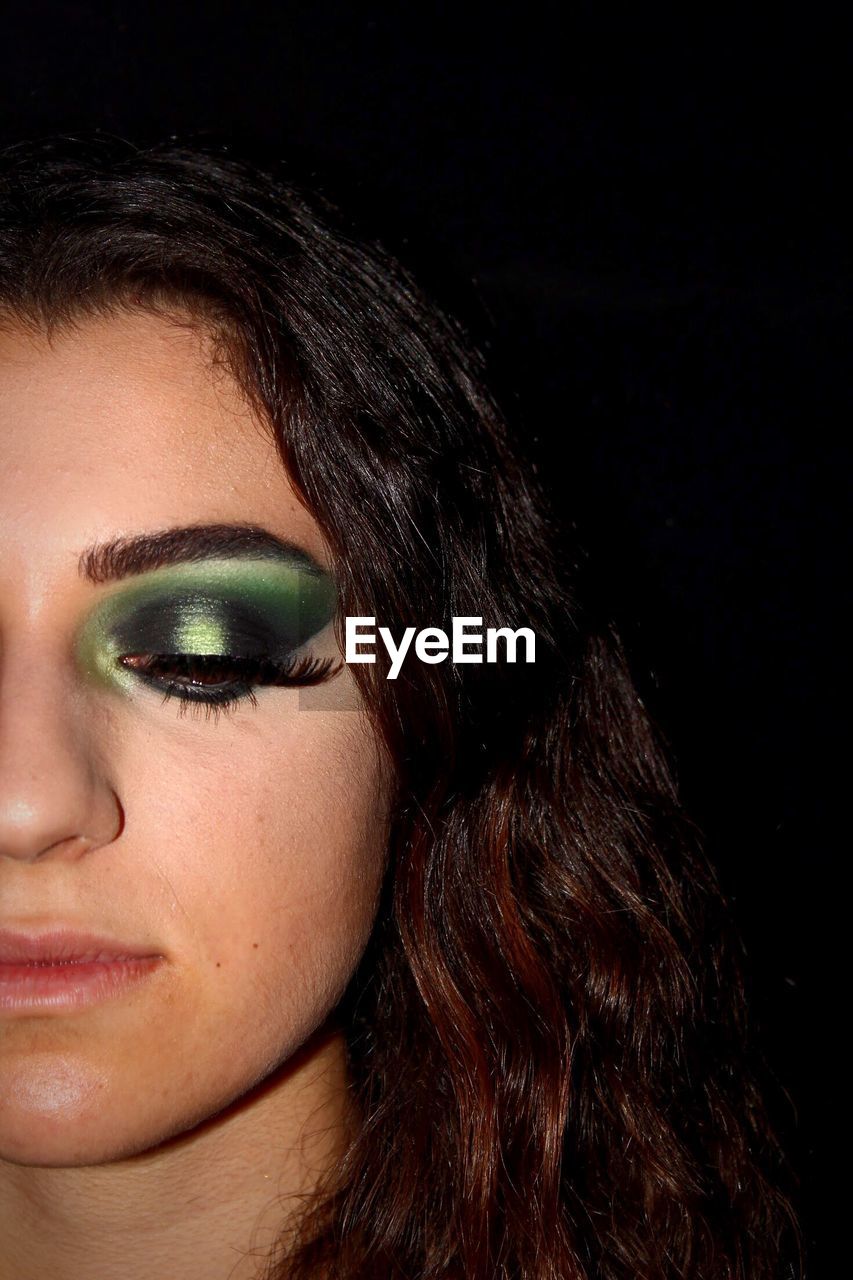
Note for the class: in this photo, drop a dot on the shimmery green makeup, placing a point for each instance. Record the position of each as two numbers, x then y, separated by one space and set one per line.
259 607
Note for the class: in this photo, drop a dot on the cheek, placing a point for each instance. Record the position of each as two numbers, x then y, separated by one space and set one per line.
273 854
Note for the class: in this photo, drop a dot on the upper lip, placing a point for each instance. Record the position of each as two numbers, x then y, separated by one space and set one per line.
64 944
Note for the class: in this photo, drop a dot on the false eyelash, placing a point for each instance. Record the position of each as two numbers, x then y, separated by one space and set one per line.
237 677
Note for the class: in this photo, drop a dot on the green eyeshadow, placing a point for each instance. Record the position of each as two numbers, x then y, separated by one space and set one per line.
258 607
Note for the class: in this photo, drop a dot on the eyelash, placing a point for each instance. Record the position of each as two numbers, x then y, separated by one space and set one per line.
235 678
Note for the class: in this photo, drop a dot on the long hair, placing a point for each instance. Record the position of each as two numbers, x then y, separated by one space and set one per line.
546 1035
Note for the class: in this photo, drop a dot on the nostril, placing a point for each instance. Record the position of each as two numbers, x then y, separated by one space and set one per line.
75 845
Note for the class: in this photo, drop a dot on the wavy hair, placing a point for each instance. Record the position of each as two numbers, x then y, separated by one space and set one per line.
546 1035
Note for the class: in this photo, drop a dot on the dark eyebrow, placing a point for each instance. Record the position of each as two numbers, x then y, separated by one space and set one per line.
111 561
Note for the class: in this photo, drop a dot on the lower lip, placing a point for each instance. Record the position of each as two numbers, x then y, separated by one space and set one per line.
70 985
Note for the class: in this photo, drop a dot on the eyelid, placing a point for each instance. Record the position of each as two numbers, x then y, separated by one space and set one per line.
283 591
255 577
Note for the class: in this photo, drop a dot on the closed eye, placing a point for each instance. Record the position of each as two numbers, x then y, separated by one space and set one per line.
220 680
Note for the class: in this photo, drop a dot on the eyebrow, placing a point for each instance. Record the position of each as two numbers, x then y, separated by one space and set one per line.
122 557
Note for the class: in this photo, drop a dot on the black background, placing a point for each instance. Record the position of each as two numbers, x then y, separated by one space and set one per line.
643 215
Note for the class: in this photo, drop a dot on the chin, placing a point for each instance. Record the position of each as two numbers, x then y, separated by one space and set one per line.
57 1111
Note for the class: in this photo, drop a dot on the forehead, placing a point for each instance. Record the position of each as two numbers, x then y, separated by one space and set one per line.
126 424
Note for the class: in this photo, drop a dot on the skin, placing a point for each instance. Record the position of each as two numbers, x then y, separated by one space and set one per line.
150 1134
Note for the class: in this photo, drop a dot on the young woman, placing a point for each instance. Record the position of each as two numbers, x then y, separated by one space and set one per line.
306 971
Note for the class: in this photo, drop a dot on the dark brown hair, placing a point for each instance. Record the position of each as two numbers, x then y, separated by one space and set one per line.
547 1039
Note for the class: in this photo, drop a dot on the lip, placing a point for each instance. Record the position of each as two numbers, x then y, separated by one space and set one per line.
62 969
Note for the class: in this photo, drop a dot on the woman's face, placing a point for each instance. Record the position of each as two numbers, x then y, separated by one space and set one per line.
244 845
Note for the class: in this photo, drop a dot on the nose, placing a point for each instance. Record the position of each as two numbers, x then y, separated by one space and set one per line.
55 800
